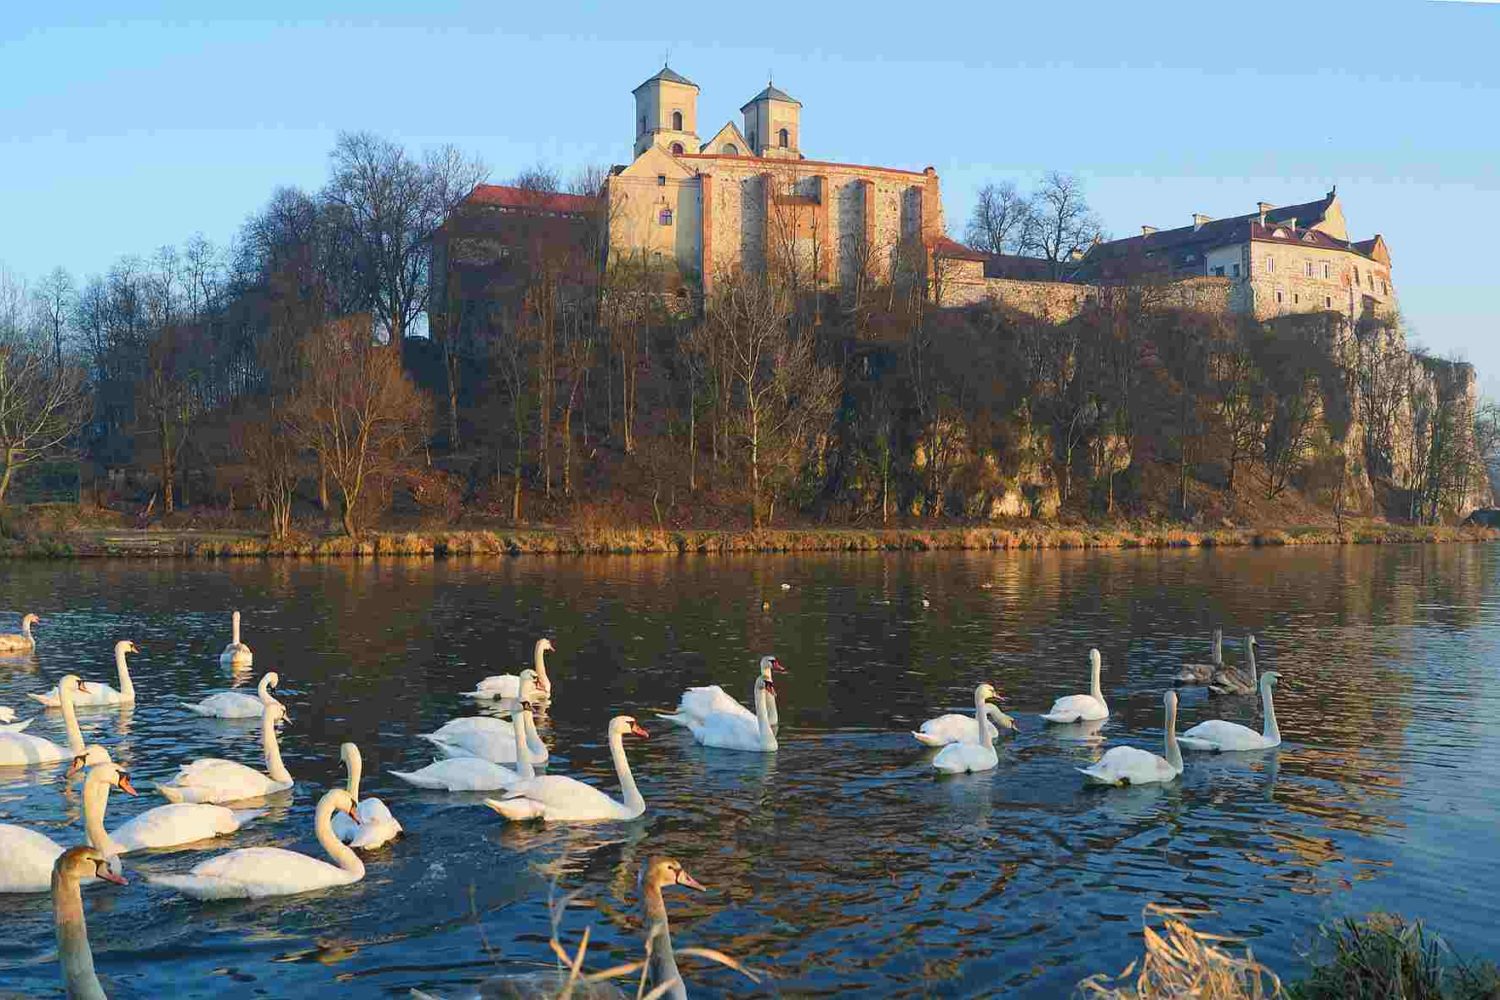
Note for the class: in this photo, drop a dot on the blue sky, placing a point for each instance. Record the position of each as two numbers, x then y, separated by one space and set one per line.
122 132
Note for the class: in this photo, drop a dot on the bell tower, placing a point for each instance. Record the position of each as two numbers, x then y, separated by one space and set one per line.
666 113
773 124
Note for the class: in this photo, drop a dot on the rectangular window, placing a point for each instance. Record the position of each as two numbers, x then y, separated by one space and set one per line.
1328 302
1296 299
1279 296
661 180
1235 272
1218 272
1326 270
1307 267
1356 277
1370 277
1270 265
666 217
1383 289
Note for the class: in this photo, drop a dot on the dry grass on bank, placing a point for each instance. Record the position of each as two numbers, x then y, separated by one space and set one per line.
51 534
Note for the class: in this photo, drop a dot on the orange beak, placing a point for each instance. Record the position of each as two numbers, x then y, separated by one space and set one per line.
83 688
683 878
104 872
777 667
352 814
74 767
637 729
126 786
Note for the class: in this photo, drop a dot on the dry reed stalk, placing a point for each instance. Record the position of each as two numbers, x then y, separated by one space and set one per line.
1181 962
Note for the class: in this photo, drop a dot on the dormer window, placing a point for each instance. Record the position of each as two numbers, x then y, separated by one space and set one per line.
676 149
730 149
784 139
677 121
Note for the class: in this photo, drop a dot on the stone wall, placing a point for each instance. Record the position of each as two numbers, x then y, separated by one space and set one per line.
958 283
1290 278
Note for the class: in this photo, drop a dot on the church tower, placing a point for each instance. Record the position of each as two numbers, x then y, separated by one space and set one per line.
773 124
666 113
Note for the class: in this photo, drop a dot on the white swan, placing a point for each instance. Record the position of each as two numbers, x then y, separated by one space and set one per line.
1082 707
24 750
508 686
1131 766
488 738
27 857
955 727
236 655
698 703
977 752
739 729
170 825
210 779
375 824
1218 735
8 723
101 694
73 952
235 704
22 642
1201 673
1237 680
474 774
560 798
258 872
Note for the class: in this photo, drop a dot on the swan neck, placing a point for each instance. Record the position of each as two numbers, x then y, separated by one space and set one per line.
263 689
127 686
95 802
274 767
1218 647
73 940
70 721
236 628
356 771
26 629
632 795
659 943
1094 688
519 725
341 853
1269 730
1250 652
1174 753
981 712
763 715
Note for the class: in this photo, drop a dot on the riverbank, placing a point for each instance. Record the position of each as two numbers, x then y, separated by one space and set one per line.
83 543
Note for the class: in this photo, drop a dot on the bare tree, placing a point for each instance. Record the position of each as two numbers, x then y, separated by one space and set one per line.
390 204
357 410
42 403
1061 223
783 392
55 299
1001 219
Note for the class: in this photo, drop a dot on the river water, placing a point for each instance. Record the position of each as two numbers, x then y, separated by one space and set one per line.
840 864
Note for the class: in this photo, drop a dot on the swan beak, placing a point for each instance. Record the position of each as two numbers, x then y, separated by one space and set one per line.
83 688
352 814
74 767
126 786
108 874
776 666
637 729
683 878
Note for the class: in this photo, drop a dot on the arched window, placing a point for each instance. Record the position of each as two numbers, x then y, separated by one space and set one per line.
730 149
677 121
783 138
676 149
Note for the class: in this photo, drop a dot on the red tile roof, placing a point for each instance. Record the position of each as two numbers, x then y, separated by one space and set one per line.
522 199
954 250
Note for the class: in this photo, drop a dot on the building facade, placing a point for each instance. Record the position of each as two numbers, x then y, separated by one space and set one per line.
1292 258
748 198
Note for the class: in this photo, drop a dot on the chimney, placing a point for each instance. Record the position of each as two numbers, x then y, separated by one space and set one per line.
1198 220
1147 230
